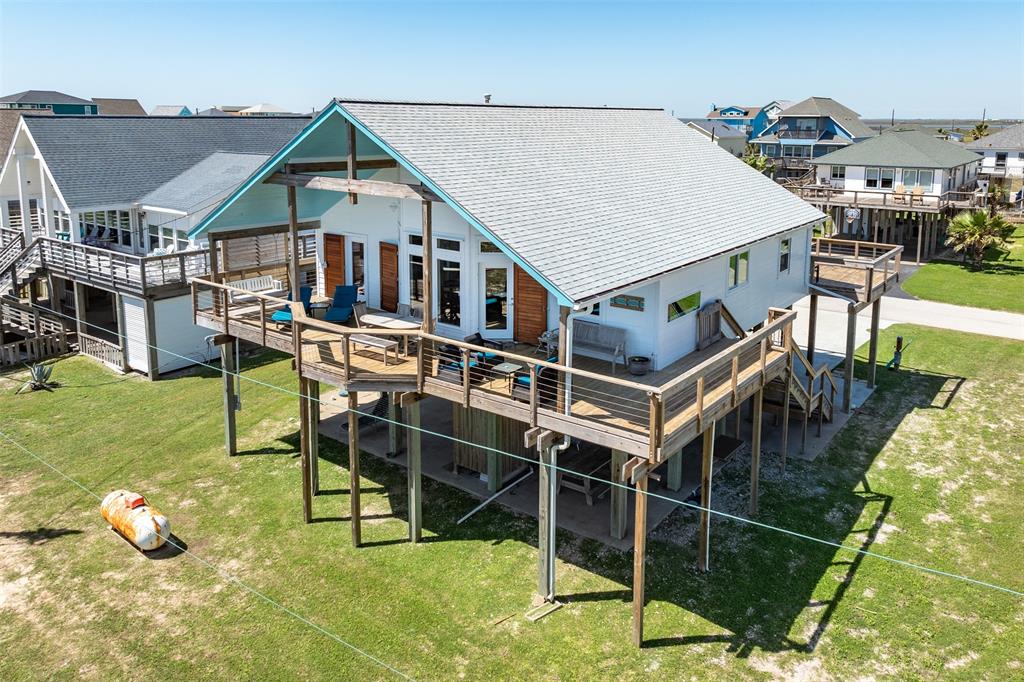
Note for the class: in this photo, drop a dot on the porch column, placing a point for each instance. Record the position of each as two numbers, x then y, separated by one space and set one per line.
227 370
639 559
122 331
707 469
44 217
812 327
313 413
353 468
428 267
755 451
293 240
851 335
618 496
547 493
153 358
876 308
415 473
80 304
26 217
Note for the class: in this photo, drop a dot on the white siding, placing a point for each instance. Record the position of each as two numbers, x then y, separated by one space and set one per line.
175 333
135 330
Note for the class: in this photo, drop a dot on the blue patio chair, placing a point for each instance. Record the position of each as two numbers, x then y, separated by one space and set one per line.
284 315
547 383
341 305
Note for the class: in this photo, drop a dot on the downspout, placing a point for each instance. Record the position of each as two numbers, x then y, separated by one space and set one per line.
553 451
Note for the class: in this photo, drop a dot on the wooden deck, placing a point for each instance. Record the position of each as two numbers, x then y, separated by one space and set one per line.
651 416
855 270
824 195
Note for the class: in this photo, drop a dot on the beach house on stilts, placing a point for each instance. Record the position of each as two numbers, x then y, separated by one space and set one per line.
554 276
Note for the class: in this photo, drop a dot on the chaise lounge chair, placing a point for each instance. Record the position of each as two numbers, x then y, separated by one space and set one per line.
341 305
284 315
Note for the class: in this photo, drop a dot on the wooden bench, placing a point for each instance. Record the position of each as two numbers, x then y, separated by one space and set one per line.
263 284
600 340
378 342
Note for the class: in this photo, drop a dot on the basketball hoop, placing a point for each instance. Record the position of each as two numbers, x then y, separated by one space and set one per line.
851 215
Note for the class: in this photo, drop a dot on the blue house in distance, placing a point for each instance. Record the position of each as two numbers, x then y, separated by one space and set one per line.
749 120
807 130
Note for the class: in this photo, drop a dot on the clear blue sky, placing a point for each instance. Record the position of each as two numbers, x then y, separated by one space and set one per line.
926 59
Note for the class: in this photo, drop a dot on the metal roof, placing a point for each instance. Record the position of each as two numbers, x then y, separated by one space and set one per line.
594 199
1007 138
212 177
43 97
97 160
901 148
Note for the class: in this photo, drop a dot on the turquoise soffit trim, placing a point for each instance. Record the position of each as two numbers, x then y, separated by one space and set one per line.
278 159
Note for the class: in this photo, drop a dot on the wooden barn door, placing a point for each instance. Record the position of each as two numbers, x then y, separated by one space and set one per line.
389 277
530 311
334 259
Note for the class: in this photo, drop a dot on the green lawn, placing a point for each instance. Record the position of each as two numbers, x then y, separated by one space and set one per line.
930 471
998 285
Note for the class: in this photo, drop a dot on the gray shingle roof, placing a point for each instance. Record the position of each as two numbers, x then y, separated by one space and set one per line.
43 97
97 160
594 199
110 106
901 148
214 176
9 119
718 128
826 106
1007 138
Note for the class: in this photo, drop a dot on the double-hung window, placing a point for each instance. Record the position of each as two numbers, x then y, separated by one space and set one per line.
784 248
739 267
879 178
838 172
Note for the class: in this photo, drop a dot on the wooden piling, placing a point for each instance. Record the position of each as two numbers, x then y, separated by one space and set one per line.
876 312
707 469
353 468
618 496
227 371
851 336
755 450
639 559
414 473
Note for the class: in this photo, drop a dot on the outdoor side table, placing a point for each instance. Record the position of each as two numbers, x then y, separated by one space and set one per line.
508 370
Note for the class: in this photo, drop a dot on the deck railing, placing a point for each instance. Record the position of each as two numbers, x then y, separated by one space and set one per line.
616 412
906 200
33 349
871 257
106 352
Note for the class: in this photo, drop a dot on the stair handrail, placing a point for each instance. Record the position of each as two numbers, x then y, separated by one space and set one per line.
9 251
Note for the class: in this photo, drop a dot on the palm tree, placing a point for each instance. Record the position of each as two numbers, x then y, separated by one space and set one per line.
972 232
979 131
753 158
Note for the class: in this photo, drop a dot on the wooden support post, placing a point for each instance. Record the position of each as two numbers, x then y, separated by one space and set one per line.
851 336
812 327
352 165
293 249
738 412
396 431
674 475
755 450
152 357
122 334
919 222
80 312
785 414
313 413
353 468
414 473
547 494
228 369
563 356
707 468
639 559
428 269
304 450
618 496
493 442
803 427
876 311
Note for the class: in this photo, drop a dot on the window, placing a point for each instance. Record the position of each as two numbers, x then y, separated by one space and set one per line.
798 151
806 124
909 177
784 247
449 303
62 224
770 149
686 304
448 244
107 227
416 285
925 178
358 265
1000 159
888 174
871 177
167 238
739 265
596 309
489 247
416 240
838 172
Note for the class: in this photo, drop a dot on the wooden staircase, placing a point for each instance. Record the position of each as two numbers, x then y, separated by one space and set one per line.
29 334
809 392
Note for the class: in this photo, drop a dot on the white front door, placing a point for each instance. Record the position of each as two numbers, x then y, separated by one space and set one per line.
496 300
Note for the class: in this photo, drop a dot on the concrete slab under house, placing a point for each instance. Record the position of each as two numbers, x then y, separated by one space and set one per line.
498 268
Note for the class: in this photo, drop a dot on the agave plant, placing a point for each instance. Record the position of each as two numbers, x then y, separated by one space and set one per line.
38 378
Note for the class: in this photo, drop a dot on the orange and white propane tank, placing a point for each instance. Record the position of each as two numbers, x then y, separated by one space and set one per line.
130 515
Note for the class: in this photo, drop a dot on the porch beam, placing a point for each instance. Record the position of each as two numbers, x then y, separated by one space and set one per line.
333 166
227 235
374 188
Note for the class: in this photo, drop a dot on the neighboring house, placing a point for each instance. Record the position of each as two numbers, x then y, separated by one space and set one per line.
99 209
1003 157
58 103
264 110
903 185
171 110
480 230
725 136
808 129
774 109
118 107
750 120
213 111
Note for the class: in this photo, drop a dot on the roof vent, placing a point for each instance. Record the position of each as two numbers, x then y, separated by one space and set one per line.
487 98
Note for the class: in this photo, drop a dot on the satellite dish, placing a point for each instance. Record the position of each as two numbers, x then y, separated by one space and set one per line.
852 214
